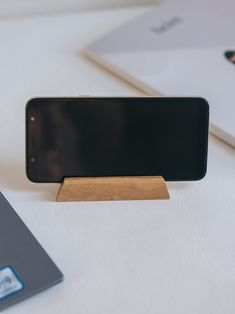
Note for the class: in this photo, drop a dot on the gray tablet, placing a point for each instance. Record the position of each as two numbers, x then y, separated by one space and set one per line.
25 268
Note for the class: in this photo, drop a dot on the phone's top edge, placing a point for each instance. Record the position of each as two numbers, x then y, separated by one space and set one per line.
111 97
31 100
123 96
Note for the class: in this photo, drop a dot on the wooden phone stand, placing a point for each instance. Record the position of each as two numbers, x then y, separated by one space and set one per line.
112 188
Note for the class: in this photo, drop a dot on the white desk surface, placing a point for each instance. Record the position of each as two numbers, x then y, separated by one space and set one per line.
164 257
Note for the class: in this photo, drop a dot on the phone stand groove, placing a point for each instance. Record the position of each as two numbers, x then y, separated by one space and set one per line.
113 188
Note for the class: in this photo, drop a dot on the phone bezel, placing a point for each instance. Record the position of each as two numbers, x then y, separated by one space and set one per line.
31 150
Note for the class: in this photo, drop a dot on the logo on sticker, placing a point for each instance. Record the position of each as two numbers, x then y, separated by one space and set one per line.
10 282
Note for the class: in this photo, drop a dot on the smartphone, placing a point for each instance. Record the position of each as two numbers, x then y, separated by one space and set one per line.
116 136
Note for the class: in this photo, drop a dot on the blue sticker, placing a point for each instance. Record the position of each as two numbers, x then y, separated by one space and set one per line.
10 282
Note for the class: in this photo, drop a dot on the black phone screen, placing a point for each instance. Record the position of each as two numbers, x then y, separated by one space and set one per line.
77 137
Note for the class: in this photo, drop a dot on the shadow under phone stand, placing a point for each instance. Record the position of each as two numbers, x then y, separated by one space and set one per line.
113 188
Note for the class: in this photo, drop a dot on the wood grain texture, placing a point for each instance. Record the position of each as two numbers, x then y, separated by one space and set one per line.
113 188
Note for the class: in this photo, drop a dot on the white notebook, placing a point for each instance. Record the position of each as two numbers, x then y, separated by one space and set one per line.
179 48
